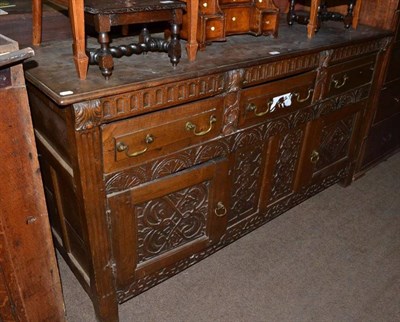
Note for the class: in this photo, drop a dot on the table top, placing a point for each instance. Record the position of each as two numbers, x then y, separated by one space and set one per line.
52 69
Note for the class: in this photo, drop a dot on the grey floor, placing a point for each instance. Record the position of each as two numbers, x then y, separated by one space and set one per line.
335 257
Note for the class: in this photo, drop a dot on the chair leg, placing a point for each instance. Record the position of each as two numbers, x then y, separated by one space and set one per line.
313 24
76 16
37 8
356 14
193 12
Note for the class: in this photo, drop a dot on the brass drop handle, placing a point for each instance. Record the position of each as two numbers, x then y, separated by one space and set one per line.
220 210
338 85
302 100
314 157
253 108
121 147
192 127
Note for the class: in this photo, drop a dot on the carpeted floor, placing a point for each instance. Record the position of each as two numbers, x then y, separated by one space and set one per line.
335 257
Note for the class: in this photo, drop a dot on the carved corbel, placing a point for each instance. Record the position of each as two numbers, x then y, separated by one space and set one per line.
87 114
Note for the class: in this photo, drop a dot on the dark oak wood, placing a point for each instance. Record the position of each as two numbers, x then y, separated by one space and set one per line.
382 137
30 288
168 166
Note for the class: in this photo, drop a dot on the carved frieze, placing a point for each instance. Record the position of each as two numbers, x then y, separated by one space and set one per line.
281 68
352 51
165 95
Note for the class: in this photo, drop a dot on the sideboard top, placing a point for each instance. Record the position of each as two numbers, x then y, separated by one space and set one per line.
52 70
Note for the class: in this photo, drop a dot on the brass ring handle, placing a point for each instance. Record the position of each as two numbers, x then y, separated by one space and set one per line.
336 82
192 127
220 210
314 157
397 99
302 100
121 146
253 108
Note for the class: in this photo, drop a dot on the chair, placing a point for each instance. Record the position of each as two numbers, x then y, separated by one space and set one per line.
106 13
318 12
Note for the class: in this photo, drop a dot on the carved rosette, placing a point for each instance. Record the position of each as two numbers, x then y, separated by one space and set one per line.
234 81
87 115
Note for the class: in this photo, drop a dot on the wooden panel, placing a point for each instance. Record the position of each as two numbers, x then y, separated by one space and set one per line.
389 101
383 139
378 13
30 287
166 220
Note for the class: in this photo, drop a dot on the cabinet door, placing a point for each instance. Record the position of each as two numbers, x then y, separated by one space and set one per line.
331 144
161 222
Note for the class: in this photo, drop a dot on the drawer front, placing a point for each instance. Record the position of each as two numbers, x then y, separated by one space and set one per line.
237 20
215 28
208 7
389 101
146 137
349 75
262 102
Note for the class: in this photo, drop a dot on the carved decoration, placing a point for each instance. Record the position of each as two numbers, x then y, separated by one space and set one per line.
338 102
233 233
165 95
335 142
246 182
87 115
267 72
285 167
234 81
170 221
353 51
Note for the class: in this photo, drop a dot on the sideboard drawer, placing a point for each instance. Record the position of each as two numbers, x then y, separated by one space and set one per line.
276 98
137 140
349 75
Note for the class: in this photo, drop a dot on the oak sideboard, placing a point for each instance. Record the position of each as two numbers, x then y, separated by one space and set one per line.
155 169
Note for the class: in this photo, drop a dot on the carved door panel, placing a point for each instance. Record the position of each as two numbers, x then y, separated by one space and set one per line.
331 144
161 222
284 150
